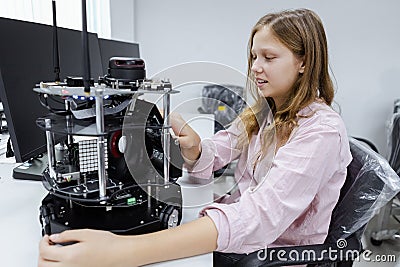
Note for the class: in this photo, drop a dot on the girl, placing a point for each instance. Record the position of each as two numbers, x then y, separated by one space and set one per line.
288 201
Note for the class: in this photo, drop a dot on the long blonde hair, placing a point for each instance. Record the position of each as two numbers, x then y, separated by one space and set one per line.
301 31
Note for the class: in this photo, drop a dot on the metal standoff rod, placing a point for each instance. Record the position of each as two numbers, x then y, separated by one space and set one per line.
166 128
69 122
50 149
100 143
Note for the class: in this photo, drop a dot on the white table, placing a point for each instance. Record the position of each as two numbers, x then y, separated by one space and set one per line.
20 229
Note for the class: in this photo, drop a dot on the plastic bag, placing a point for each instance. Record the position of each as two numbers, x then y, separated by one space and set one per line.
370 184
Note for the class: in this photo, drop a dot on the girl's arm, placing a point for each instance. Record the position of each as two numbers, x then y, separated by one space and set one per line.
100 248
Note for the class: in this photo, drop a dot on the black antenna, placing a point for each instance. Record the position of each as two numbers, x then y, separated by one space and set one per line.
56 56
85 47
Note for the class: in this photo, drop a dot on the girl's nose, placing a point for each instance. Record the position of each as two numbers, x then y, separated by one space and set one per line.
255 67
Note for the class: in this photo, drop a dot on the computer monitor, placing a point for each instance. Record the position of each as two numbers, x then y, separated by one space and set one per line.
26 58
114 48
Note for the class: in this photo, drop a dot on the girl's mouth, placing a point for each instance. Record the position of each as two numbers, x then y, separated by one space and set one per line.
261 82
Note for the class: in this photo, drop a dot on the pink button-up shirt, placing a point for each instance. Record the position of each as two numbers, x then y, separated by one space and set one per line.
286 201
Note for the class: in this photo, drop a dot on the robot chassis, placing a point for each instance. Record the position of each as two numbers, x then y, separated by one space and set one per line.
121 188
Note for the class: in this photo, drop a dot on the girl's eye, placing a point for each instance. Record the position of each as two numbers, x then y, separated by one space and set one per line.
269 58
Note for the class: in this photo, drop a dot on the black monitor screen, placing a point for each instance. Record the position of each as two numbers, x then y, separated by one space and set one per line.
26 58
113 48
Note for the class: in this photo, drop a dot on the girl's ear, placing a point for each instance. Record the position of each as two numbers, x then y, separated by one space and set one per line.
302 66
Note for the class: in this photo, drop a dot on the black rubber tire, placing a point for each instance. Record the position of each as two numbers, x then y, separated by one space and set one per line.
165 214
375 242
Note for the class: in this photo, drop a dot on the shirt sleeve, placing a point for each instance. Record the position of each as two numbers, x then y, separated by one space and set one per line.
216 152
299 169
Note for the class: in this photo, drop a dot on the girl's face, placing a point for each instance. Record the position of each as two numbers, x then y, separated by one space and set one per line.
275 67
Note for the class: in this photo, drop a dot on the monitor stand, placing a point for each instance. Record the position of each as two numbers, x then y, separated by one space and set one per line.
31 170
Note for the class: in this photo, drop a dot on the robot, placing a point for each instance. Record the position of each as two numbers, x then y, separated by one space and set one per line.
111 163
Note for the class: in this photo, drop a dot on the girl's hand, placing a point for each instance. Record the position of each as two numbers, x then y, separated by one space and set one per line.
92 248
189 140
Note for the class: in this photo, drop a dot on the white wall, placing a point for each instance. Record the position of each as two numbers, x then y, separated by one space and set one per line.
122 20
363 41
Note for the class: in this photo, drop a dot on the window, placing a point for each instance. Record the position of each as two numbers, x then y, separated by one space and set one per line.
69 13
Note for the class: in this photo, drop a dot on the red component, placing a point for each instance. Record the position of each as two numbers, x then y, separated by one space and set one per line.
113 145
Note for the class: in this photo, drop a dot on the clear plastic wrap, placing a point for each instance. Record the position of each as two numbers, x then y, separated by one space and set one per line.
371 183
394 138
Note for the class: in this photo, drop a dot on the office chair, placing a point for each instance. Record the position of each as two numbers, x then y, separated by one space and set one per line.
383 231
224 101
367 142
369 185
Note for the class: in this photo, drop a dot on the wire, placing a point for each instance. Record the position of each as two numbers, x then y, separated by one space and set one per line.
38 156
44 102
395 217
9 152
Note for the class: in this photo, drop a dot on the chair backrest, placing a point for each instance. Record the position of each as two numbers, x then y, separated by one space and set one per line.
394 143
369 185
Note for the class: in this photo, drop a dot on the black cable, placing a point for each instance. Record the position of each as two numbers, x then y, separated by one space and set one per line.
38 156
44 103
9 152
53 98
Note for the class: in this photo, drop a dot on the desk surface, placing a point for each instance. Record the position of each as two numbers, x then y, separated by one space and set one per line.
20 229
